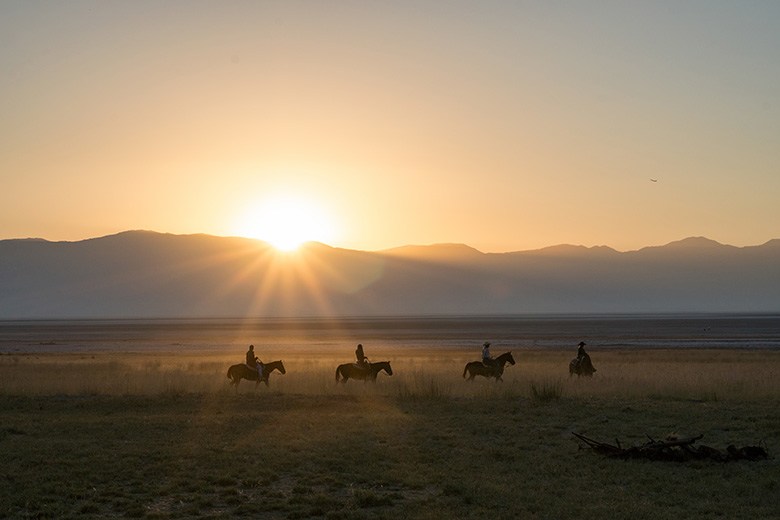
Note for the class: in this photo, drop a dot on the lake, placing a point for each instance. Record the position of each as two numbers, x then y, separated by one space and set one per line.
711 331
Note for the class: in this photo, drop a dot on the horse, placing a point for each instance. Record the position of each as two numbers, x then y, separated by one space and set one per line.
478 368
581 366
241 371
351 370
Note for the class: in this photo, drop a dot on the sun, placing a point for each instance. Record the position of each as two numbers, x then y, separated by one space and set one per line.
286 222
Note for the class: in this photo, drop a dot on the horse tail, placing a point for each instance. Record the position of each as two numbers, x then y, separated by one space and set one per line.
337 373
228 373
465 369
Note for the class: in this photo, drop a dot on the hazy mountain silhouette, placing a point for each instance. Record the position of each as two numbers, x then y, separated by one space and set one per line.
146 274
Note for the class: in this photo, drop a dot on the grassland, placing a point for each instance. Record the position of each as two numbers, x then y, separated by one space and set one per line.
162 435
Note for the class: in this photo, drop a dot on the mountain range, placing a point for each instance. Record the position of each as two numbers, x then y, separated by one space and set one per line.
143 274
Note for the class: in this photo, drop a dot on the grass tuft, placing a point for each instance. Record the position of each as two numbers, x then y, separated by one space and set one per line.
424 387
546 391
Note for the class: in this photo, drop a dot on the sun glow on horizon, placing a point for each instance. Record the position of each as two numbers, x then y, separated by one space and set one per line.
286 222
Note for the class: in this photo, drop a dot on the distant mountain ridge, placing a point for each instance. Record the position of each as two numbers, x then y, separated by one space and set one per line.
143 274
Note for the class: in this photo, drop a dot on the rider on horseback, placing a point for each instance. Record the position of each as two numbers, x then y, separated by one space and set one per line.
583 362
254 362
362 360
487 359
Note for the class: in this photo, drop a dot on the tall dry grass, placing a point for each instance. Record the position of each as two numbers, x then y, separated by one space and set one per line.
657 374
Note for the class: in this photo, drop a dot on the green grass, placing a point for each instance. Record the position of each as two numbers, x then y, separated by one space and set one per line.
162 435
372 456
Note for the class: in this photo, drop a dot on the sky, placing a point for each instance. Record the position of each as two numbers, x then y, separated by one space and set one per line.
368 125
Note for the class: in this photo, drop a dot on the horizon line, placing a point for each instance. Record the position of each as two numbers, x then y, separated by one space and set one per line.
386 249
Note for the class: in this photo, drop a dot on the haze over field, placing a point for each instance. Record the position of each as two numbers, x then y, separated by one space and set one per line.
507 126
145 274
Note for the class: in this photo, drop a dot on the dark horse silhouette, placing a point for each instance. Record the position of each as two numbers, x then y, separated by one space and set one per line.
581 366
240 371
351 370
477 368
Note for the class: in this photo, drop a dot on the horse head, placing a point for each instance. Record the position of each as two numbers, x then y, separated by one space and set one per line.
384 365
281 367
506 357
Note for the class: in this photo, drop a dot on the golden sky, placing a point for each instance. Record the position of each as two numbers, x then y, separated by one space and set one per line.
502 125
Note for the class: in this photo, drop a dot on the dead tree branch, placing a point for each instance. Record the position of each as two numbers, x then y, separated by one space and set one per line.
675 449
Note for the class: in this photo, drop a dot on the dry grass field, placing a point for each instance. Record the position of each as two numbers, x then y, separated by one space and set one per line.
693 374
162 434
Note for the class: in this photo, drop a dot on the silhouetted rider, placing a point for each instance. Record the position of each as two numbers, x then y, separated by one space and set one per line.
362 360
253 362
583 359
487 359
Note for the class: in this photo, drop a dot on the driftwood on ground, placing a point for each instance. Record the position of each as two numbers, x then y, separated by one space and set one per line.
675 449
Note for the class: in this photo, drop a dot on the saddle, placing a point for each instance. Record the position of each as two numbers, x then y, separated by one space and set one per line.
258 369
